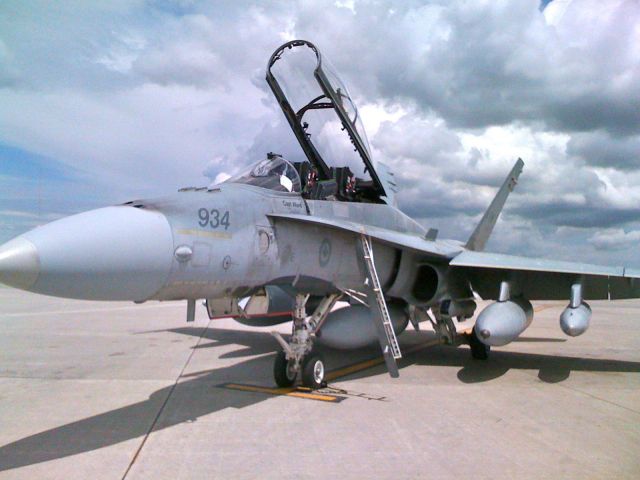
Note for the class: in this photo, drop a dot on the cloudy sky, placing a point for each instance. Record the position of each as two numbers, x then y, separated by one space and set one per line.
103 102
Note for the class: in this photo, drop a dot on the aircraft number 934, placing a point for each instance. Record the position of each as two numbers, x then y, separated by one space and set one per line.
213 218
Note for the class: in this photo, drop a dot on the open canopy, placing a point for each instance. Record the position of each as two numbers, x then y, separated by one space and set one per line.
323 116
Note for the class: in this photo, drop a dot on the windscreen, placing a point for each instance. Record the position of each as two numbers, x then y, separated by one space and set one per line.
272 173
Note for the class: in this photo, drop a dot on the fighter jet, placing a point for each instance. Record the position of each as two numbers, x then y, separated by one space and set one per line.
285 241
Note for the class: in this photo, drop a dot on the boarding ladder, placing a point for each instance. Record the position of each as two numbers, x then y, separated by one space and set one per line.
392 340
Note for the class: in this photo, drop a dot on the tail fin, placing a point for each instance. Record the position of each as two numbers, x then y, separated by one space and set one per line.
482 232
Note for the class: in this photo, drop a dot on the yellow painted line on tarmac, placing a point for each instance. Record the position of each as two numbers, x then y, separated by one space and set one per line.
357 367
543 307
360 366
289 392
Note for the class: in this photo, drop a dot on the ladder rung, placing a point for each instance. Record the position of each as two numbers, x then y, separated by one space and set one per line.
382 304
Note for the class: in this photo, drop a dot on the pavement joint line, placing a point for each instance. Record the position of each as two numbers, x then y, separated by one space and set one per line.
164 404
82 379
87 310
139 307
577 390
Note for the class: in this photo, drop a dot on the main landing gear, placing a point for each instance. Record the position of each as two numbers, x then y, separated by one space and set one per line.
479 350
446 330
298 356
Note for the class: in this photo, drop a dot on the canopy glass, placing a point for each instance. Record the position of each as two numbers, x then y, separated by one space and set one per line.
323 116
274 173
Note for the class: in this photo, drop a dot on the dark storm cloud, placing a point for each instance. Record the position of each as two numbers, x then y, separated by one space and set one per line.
564 214
432 198
492 63
602 150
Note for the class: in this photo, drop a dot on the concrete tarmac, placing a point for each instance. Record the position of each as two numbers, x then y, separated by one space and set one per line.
116 390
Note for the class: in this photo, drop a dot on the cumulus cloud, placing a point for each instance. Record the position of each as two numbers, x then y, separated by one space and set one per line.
615 239
148 96
196 59
491 63
600 149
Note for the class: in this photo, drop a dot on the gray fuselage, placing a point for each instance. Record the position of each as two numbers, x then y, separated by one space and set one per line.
252 250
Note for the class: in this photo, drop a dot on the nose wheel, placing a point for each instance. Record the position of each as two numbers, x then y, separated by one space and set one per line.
284 371
312 371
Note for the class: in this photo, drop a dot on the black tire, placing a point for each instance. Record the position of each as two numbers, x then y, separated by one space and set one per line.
479 351
281 372
313 371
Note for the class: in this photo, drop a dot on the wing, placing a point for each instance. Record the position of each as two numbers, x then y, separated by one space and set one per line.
537 279
541 279
405 241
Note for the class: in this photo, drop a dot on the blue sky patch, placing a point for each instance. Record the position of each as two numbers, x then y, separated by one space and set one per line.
35 189
16 162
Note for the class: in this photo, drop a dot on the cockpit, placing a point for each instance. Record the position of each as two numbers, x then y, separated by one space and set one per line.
276 173
272 173
327 125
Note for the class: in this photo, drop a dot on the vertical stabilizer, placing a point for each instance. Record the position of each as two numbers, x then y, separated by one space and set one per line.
482 232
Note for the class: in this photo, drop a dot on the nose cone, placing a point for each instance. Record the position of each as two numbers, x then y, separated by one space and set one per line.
113 253
19 263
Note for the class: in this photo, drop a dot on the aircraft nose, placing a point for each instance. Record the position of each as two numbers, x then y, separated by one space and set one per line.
19 263
113 253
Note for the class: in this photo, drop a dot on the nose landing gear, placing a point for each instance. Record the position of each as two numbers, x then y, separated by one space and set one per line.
297 356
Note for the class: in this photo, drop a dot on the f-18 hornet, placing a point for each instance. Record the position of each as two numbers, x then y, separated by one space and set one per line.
318 242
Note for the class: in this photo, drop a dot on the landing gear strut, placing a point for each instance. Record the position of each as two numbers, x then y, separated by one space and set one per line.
446 330
442 324
297 355
479 350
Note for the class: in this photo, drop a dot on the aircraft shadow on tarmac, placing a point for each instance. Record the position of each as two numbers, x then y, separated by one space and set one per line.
195 395
551 368
253 343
